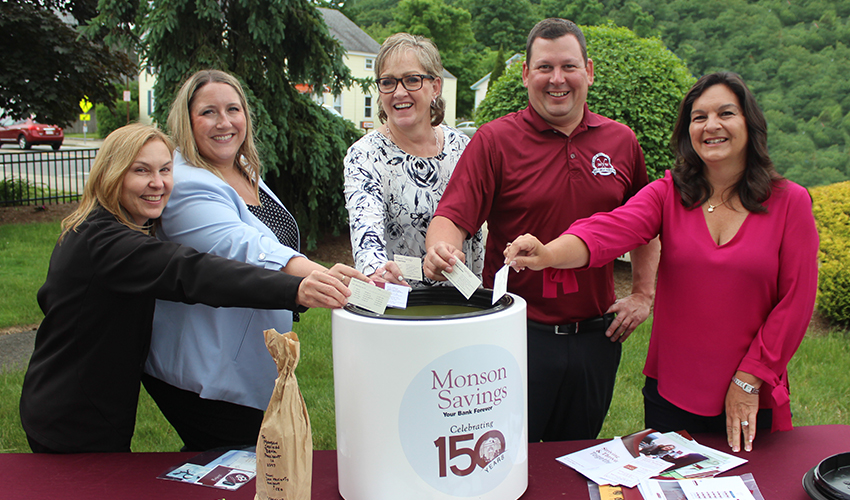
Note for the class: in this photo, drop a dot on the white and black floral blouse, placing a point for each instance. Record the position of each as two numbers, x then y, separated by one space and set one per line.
391 197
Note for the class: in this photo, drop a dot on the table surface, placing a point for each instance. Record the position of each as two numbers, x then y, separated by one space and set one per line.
778 462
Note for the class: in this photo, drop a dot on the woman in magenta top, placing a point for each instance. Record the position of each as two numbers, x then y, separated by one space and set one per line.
738 271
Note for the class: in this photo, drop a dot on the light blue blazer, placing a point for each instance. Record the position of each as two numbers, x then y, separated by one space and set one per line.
219 353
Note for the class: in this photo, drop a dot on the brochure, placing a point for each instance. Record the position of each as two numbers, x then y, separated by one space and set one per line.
714 463
629 460
740 487
227 470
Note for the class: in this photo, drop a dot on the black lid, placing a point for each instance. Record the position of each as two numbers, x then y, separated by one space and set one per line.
832 476
448 296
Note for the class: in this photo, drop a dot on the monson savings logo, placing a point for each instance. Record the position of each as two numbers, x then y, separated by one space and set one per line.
470 393
464 412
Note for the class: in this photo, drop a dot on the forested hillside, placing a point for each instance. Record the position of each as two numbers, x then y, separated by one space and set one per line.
794 54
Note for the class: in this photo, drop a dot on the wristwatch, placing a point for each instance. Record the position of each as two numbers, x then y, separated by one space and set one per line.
748 388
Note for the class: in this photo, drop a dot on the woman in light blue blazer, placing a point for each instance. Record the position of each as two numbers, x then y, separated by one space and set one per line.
208 369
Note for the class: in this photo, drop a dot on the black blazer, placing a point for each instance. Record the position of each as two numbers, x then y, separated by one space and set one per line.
81 389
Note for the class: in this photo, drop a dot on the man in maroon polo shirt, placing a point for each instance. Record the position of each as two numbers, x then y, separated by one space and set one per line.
536 171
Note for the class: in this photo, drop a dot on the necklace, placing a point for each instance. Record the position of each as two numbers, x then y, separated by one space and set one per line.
436 138
711 207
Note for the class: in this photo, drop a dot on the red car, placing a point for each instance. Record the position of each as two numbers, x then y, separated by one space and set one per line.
27 133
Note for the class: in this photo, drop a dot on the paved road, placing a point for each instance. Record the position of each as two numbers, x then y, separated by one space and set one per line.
15 350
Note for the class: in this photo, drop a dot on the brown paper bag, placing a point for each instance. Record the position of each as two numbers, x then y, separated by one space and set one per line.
285 445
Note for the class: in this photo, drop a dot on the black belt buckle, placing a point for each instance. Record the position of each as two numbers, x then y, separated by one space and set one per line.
570 329
588 325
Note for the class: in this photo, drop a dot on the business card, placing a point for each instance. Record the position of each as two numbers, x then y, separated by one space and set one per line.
463 279
411 267
500 283
368 296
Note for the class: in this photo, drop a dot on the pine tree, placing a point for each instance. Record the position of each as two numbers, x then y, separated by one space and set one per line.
270 45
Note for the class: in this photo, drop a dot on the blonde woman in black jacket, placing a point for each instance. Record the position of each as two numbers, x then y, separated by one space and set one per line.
81 389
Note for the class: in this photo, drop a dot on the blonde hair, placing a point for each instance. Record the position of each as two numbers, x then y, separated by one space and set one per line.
106 178
180 126
429 58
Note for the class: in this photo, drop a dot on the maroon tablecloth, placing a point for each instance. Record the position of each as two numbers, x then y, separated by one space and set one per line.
778 463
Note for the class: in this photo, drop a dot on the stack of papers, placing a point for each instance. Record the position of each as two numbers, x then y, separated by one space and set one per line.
739 487
629 460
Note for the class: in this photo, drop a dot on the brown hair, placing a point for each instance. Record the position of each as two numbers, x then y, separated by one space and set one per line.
552 29
180 125
429 58
756 183
106 177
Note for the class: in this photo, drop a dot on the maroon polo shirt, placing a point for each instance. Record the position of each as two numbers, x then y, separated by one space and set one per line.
522 176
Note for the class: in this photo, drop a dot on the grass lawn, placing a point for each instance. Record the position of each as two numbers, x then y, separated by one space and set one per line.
24 256
820 381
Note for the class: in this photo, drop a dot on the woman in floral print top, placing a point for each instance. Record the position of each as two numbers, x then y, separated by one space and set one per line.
395 175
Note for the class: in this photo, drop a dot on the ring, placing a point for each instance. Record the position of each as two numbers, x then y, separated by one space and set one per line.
383 273
745 423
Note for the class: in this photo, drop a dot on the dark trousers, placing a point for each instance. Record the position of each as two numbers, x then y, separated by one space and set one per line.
664 416
205 424
37 447
570 382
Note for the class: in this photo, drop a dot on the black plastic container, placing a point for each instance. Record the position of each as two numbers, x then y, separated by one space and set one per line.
830 479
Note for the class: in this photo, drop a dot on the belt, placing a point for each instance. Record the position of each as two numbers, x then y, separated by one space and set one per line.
597 324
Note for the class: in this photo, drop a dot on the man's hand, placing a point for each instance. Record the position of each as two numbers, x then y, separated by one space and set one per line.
443 241
631 312
441 257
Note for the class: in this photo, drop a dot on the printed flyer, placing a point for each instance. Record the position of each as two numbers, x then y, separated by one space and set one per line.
629 460
227 470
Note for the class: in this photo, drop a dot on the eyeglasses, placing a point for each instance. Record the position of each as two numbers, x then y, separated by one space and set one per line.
411 83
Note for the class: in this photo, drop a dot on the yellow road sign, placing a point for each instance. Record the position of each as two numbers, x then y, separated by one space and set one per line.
85 104
85 118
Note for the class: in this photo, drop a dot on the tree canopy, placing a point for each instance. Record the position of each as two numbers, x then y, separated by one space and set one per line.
270 47
450 29
794 56
48 66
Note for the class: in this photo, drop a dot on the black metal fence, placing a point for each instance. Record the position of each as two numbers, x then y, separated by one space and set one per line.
44 177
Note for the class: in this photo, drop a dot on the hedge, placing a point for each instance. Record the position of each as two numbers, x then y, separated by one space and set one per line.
832 214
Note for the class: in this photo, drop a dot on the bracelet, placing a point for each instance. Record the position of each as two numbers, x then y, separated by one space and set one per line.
748 388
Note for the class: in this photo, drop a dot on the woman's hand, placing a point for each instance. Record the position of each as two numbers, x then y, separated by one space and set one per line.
741 410
527 251
564 252
328 288
389 272
346 273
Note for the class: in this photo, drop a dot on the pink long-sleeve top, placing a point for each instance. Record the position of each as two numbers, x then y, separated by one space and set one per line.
744 305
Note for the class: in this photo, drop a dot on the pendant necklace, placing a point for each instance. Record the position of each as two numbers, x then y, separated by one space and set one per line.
711 207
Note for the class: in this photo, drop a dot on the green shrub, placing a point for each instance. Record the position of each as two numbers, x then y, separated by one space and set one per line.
111 119
13 190
637 82
832 213
19 192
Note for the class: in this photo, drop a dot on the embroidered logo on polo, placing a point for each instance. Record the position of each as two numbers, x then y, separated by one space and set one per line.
601 164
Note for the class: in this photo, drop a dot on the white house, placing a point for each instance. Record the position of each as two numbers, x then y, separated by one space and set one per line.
480 87
361 50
